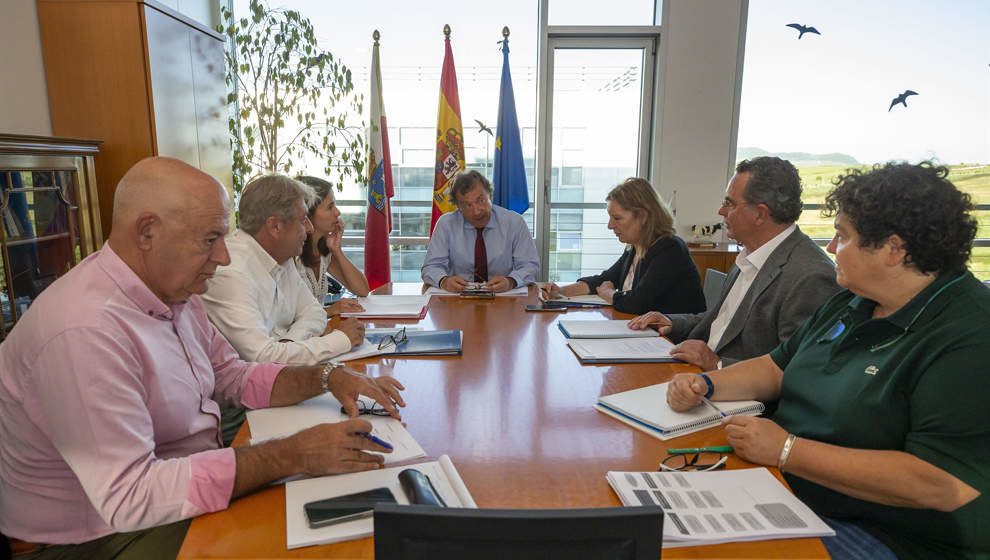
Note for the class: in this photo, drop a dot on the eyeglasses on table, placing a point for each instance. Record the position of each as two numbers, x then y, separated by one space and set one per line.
705 461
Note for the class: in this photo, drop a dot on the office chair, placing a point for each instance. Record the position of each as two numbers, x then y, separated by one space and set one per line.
714 280
437 533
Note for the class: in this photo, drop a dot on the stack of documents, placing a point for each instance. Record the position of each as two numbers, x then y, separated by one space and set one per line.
441 473
646 409
621 350
719 506
603 329
392 307
281 421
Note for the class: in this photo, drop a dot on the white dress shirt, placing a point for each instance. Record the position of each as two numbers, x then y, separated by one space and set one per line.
256 302
749 266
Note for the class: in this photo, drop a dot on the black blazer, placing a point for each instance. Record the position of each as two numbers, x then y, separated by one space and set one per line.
666 280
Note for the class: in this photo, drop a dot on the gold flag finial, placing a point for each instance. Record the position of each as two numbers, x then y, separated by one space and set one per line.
505 31
376 36
446 30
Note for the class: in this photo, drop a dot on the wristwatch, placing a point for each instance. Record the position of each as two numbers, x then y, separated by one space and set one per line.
325 376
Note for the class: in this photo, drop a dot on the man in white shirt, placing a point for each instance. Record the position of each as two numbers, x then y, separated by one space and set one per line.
780 277
259 302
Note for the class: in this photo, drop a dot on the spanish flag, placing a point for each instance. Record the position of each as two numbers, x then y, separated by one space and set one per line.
450 136
378 222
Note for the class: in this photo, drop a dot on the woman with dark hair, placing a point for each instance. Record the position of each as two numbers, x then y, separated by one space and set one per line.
656 272
323 253
881 425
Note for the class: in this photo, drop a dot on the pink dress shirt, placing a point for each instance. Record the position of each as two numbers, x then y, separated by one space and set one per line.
108 421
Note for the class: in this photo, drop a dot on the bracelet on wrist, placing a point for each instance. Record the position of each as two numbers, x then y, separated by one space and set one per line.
711 386
785 451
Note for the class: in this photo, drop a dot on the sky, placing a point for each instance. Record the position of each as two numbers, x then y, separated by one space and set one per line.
820 94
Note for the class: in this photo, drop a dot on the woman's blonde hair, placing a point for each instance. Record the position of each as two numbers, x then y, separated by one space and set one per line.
637 195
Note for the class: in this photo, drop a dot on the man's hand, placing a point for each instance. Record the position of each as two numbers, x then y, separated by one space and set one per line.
685 391
501 284
695 352
336 448
349 305
757 440
606 290
651 318
354 330
346 384
454 284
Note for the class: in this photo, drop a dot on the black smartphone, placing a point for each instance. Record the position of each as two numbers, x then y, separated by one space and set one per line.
544 308
346 508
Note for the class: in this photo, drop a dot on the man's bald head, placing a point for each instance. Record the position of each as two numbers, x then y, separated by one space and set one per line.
164 186
169 219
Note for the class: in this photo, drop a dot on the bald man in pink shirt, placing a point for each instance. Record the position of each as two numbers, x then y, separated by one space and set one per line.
110 384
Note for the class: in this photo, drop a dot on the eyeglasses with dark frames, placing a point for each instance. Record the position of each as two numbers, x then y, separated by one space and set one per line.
373 409
393 339
706 461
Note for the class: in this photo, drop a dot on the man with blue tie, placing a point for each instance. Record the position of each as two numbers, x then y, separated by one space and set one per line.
479 242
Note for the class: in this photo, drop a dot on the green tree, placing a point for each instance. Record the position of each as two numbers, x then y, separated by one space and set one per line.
295 99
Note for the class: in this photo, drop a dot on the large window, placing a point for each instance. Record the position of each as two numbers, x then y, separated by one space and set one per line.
411 55
823 101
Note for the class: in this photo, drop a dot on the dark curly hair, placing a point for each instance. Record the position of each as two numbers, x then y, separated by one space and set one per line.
917 203
773 182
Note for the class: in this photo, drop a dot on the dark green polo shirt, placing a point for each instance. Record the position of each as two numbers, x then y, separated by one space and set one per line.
916 381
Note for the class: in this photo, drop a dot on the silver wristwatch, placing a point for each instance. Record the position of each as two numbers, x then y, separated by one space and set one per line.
325 376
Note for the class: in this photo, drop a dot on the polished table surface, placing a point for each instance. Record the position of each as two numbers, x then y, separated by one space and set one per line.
515 415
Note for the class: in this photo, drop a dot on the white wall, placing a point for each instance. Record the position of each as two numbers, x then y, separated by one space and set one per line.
701 53
23 93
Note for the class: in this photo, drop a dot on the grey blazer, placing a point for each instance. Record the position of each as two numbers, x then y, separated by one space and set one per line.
796 279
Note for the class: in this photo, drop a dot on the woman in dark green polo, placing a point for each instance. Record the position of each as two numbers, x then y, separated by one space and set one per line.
883 423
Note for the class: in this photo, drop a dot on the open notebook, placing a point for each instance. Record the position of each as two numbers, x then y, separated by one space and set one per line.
646 409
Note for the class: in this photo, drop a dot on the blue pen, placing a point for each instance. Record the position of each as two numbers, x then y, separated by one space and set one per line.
379 441
717 409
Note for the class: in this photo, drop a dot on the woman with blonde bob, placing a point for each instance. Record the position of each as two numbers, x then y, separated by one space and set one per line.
655 273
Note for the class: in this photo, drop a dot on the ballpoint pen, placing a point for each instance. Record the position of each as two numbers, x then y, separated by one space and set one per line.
687 450
717 409
377 440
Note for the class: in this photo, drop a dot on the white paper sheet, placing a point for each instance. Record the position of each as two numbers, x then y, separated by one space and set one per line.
719 506
268 423
607 328
621 348
395 307
515 292
442 473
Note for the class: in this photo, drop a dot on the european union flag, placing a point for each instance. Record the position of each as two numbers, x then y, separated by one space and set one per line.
509 177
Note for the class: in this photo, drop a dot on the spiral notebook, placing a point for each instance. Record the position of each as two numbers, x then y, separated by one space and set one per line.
646 409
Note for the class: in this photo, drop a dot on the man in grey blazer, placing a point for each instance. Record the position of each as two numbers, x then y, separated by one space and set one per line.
780 277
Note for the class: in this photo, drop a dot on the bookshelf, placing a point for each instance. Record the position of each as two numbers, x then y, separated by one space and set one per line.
50 214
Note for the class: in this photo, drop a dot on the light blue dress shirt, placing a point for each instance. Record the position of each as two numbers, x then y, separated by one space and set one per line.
510 249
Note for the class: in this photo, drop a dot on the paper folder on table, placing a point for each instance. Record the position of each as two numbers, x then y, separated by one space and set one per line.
621 350
646 409
391 307
603 329
421 343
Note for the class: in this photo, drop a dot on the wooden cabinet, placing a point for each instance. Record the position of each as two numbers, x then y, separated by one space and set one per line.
50 213
720 257
143 78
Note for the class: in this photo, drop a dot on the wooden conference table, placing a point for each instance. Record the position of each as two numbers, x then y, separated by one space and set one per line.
515 415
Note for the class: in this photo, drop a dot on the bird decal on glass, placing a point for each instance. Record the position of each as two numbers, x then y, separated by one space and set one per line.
902 98
802 29
483 128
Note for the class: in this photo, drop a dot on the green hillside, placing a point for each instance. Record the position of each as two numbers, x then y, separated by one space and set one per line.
971 178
